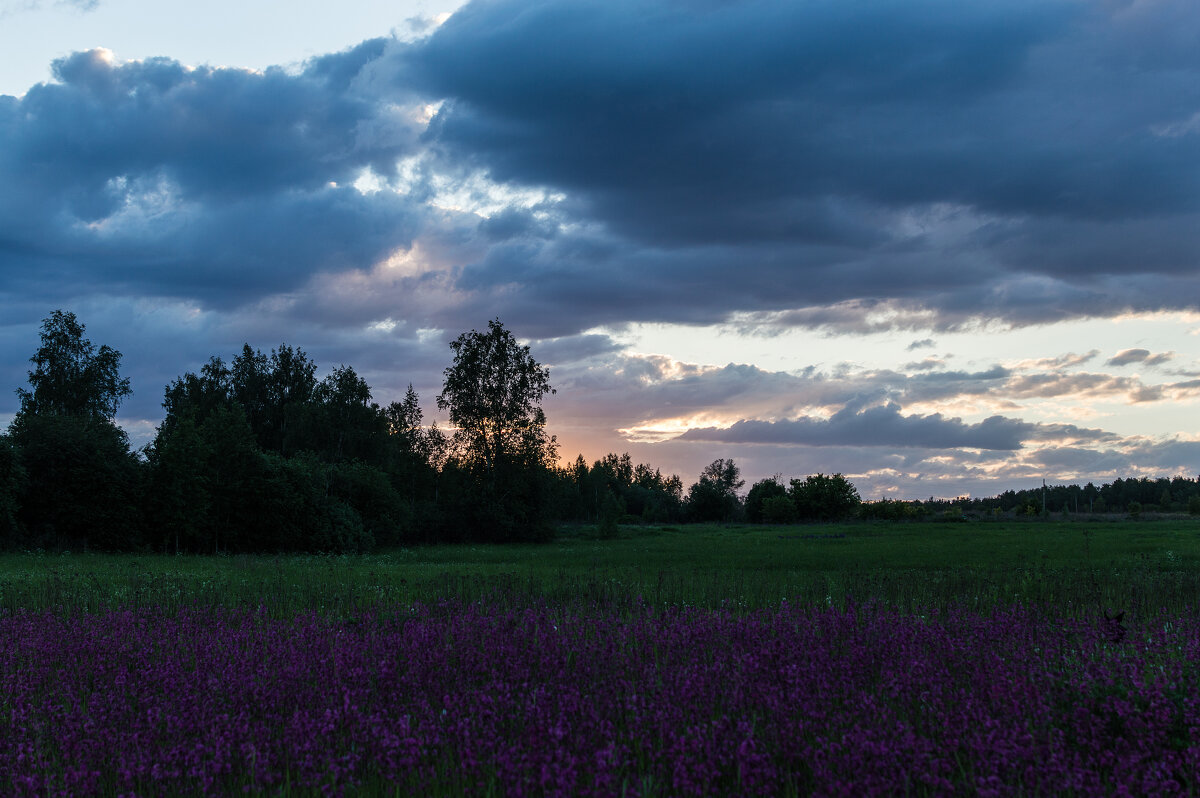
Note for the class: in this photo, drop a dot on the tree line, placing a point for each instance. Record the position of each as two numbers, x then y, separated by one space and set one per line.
255 454
1125 496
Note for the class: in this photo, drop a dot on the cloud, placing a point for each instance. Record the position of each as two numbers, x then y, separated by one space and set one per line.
928 364
1127 356
223 185
884 426
925 168
574 348
902 167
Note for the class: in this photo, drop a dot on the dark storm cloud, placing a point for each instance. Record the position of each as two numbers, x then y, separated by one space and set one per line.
832 153
669 104
912 165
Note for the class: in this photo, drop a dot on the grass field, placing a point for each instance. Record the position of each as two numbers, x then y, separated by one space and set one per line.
1075 566
941 659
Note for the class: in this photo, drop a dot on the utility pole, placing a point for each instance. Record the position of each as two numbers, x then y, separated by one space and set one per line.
1043 496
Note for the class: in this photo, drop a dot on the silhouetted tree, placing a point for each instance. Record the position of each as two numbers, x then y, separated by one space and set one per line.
778 510
493 392
81 483
71 377
292 383
346 426
759 492
824 498
415 457
714 496
196 396
181 477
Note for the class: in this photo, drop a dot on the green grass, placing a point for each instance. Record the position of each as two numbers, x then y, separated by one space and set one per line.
1078 566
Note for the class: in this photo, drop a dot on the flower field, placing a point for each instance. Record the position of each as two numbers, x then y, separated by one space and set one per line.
530 697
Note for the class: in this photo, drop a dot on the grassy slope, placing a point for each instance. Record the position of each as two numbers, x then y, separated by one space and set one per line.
1085 566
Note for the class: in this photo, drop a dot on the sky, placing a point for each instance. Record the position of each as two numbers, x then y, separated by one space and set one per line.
942 248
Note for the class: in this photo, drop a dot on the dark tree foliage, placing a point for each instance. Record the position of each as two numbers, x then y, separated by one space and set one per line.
891 510
274 393
256 454
386 513
1161 495
209 482
260 456
824 498
197 397
292 382
714 497
213 489
250 387
310 516
346 424
415 456
78 480
778 510
493 393
12 484
82 483
760 491
614 489
180 487
70 376
405 421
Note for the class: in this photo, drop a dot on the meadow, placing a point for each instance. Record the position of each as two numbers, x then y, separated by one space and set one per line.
927 659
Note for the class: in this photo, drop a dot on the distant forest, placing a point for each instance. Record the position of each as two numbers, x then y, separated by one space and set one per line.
257 455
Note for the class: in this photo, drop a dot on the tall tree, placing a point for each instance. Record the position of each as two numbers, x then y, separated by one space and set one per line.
81 480
349 426
196 396
71 377
404 422
292 384
714 496
250 387
493 392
